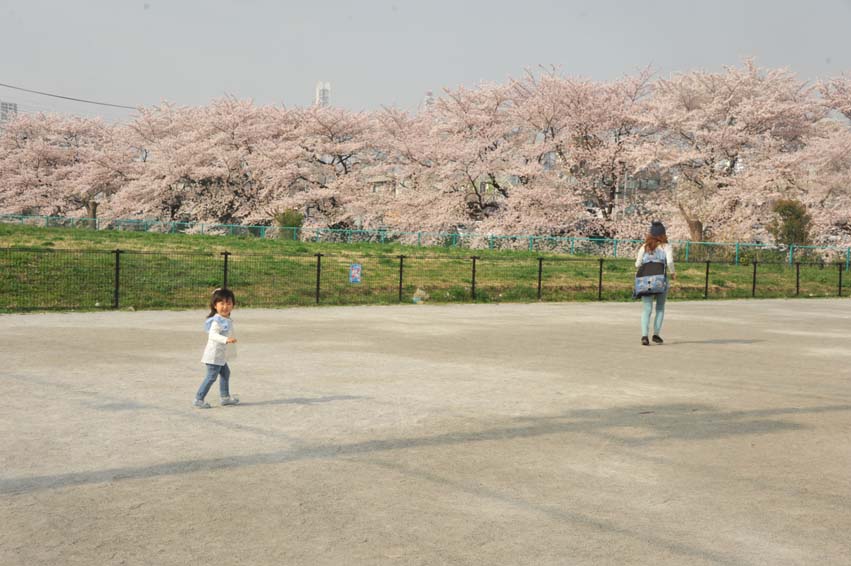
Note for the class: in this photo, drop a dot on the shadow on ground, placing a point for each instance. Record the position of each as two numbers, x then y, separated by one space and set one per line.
650 424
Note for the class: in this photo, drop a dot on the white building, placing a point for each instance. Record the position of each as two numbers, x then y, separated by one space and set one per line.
428 100
323 94
8 110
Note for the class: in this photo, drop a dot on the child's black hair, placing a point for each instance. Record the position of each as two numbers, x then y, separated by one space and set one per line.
224 294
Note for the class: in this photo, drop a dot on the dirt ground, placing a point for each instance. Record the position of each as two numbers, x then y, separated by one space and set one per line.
540 434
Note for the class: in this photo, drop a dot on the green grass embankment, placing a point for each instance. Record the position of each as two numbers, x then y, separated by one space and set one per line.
74 268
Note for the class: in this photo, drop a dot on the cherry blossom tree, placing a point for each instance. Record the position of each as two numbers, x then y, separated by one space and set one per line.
583 140
57 165
544 155
312 160
474 147
727 137
196 162
408 193
827 166
837 94
822 174
453 164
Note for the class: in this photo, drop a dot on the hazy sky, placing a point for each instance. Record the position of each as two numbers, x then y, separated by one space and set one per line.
385 52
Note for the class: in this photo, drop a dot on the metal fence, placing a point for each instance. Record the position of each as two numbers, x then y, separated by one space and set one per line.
39 279
732 252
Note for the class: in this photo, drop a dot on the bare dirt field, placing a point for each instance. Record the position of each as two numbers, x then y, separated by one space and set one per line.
540 434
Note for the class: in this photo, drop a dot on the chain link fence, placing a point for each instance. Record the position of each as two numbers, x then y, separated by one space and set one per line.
730 252
43 279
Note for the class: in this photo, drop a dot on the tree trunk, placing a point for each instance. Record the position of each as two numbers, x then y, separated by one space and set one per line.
695 229
695 226
92 214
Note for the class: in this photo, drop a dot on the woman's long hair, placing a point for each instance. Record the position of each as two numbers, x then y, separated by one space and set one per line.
653 242
220 295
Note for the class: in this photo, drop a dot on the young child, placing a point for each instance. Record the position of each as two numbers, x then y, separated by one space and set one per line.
220 333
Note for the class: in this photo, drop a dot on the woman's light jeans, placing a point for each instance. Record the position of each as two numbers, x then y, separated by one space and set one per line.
647 301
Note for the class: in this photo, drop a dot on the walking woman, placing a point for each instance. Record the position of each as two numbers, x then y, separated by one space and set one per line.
655 249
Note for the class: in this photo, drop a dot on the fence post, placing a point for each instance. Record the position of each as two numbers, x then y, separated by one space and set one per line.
318 274
540 275
847 259
791 254
419 239
401 270
797 278
753 287
474 258
737 253
225 283
839 265
115 291
572 245
600 282
531 243
706 284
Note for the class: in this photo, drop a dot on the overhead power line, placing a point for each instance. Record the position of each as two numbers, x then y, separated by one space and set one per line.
69 97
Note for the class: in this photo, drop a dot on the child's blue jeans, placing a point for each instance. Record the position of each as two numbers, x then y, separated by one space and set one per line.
214 371
660 313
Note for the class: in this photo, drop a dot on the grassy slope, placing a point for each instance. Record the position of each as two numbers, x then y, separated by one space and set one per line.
177 270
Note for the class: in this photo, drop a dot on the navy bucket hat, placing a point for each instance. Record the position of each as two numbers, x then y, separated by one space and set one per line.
657 229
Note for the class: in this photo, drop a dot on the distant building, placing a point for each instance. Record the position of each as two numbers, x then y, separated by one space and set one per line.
323 94
8 110
428 100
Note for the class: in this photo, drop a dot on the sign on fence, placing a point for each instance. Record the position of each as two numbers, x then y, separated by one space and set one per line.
354 273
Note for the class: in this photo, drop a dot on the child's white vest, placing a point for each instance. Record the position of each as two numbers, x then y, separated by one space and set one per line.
218 351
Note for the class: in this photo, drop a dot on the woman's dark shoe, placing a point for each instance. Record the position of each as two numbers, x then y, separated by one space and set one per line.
657 339
645 341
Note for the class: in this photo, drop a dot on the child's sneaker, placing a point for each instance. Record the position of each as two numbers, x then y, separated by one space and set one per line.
232 400
200 404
